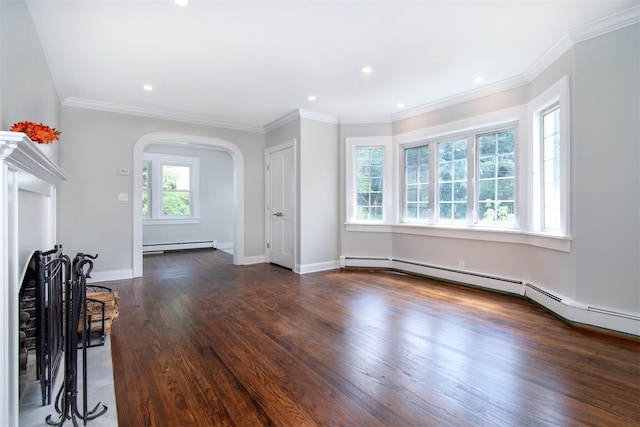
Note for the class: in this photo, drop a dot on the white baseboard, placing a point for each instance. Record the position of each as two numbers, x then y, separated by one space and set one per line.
258 259
313 268
108 276
159 247
371 262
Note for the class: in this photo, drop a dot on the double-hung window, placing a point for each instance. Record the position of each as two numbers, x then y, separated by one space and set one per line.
170 188
550 160
452 180
496 177
368 179
417 183
369 183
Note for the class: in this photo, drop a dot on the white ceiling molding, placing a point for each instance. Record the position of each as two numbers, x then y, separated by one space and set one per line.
318 117
289 117
155 114
553 54
352 120
470 95
586 32
606 25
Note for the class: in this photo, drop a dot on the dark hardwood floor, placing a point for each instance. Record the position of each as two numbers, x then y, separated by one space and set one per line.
200 342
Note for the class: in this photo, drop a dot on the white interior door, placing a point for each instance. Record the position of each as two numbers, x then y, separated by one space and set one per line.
281 222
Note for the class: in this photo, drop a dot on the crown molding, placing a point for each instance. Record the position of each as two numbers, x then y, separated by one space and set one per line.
606 25
318 117
459 98
354 120
156 114
281 121
300 114
549 57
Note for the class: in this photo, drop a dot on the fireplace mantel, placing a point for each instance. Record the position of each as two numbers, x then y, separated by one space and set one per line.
18 151
23 166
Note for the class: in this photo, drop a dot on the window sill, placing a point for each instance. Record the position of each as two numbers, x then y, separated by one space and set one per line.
170 221
558 243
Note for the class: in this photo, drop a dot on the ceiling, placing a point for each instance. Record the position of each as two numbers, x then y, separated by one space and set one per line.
244 64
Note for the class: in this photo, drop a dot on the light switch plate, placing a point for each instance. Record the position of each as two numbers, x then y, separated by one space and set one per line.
123 197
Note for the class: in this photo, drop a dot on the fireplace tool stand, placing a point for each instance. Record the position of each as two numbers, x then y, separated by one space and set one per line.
66 404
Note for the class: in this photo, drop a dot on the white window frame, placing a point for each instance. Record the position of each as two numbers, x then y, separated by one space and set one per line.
556 94
352 144
472 221
156 162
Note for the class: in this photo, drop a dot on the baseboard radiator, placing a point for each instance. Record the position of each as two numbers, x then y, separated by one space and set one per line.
566 308
463 277
177 246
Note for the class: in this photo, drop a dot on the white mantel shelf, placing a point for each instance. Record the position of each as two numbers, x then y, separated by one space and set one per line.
21 160
17 150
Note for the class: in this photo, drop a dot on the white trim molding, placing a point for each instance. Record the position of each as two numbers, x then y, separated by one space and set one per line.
156 114
316 267
181 139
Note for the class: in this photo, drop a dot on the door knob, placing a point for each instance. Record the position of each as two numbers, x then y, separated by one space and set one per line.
277 214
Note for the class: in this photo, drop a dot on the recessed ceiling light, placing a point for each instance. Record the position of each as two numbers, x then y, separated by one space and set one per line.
181 2
400 105
147 88
312 98
366 70
478 79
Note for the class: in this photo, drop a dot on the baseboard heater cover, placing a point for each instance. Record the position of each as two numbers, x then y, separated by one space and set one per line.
546 293
176 246
566 308
370 262
454 270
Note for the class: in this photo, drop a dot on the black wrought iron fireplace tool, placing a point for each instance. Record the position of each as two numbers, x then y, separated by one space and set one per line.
75 309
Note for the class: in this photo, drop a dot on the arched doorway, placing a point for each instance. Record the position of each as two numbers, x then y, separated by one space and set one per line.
178 138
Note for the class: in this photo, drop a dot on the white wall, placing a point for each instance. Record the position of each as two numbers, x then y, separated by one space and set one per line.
318 201
99 143
27 91
607 172
317 181
216 200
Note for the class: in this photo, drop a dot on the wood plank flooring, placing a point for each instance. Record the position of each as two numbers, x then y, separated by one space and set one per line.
200 342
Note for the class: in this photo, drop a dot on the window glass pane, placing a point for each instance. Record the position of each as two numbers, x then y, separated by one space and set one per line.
145 175
496 177
551 170
175 177
145 189
176 203
369 183
416 183
452 173
176 197
145 202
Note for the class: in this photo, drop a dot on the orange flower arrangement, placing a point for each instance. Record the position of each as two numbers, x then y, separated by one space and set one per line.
38 132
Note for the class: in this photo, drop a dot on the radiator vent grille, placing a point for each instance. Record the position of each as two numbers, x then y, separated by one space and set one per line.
550 295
